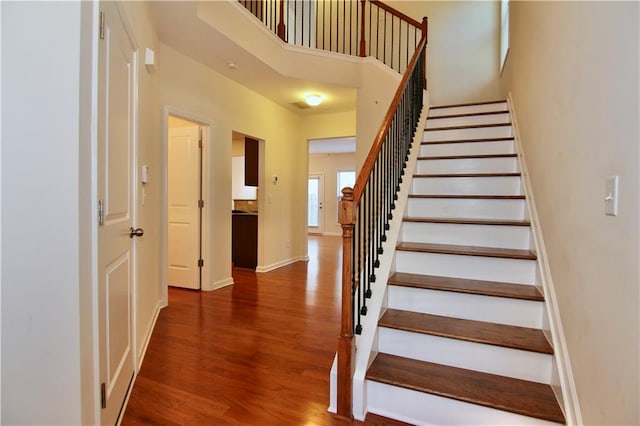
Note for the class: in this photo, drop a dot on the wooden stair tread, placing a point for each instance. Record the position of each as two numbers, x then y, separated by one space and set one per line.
469 286
467 250
470 196
468 175
509 138
508 336
468 126
468 114
490 390
464 157
467 221
468 104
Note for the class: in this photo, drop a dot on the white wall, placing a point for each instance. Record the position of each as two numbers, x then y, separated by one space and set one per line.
41 340
463 49
573 73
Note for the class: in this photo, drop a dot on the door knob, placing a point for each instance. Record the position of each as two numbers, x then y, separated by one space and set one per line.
137 232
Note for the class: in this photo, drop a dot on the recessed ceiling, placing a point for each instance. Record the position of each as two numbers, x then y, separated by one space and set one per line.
180 28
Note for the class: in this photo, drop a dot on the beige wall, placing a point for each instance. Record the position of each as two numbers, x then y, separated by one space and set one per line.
328 166
573 73
463 50
191 87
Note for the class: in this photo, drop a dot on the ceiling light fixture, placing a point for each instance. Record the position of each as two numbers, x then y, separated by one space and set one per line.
313 99
232 65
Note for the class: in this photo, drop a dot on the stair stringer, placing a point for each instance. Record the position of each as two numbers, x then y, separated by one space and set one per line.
562 380
366 342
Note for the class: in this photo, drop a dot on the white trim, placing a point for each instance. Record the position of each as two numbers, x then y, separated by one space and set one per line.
147 338
569 397
282 263
217 285
332 234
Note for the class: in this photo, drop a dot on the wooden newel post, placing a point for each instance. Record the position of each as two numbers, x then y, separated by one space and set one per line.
363 43
281 26
425 34
346 347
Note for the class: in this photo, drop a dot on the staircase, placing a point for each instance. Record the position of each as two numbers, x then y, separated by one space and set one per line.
462 340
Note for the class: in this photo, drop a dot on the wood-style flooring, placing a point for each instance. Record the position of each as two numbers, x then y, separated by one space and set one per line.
255 353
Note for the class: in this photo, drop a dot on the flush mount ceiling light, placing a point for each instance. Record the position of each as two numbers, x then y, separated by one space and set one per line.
313 99
232 65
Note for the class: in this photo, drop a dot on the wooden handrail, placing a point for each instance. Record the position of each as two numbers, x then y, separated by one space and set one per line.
348 208
396 13
365 171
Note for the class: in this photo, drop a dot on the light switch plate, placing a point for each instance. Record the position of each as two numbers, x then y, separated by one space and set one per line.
611 196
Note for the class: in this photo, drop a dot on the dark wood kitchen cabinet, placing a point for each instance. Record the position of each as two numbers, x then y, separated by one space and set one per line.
251 158
244 240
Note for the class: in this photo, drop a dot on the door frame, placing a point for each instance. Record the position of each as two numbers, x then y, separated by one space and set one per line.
206 228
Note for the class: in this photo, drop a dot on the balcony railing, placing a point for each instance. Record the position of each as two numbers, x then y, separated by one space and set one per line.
351 27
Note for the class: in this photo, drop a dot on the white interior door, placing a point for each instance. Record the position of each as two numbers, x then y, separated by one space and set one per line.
315 219
116 249
184 166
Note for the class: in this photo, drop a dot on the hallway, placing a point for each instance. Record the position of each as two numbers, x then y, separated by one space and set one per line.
257 352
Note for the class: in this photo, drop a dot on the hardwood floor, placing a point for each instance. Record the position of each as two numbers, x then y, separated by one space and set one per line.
257 352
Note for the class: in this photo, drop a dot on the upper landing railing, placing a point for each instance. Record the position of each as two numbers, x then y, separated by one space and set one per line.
352 27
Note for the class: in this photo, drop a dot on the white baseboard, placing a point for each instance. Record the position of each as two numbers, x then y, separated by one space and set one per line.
282 263
147 337
569 395
218 284
332 234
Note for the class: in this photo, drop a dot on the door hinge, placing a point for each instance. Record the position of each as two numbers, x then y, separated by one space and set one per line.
200 263
103 395
101 30
200 203
100 212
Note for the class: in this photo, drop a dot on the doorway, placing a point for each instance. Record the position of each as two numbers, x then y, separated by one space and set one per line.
315 218
185 203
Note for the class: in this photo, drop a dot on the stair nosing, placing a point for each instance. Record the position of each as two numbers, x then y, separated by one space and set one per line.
467 250
467 286
466 221
471 126
478 394
470 196
506 138
467 175
468 104
469 114
480 335
466 157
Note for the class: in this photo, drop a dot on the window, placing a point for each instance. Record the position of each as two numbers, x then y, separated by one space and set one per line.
504 31
344 178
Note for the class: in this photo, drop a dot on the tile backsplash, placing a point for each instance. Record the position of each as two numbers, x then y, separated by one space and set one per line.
246 205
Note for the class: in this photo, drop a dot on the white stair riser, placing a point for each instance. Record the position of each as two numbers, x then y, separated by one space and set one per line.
523 313
468 148
421 408
521 364
469 165
493 185
467 208
516 237
463 266
469 120
472 133
469 109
